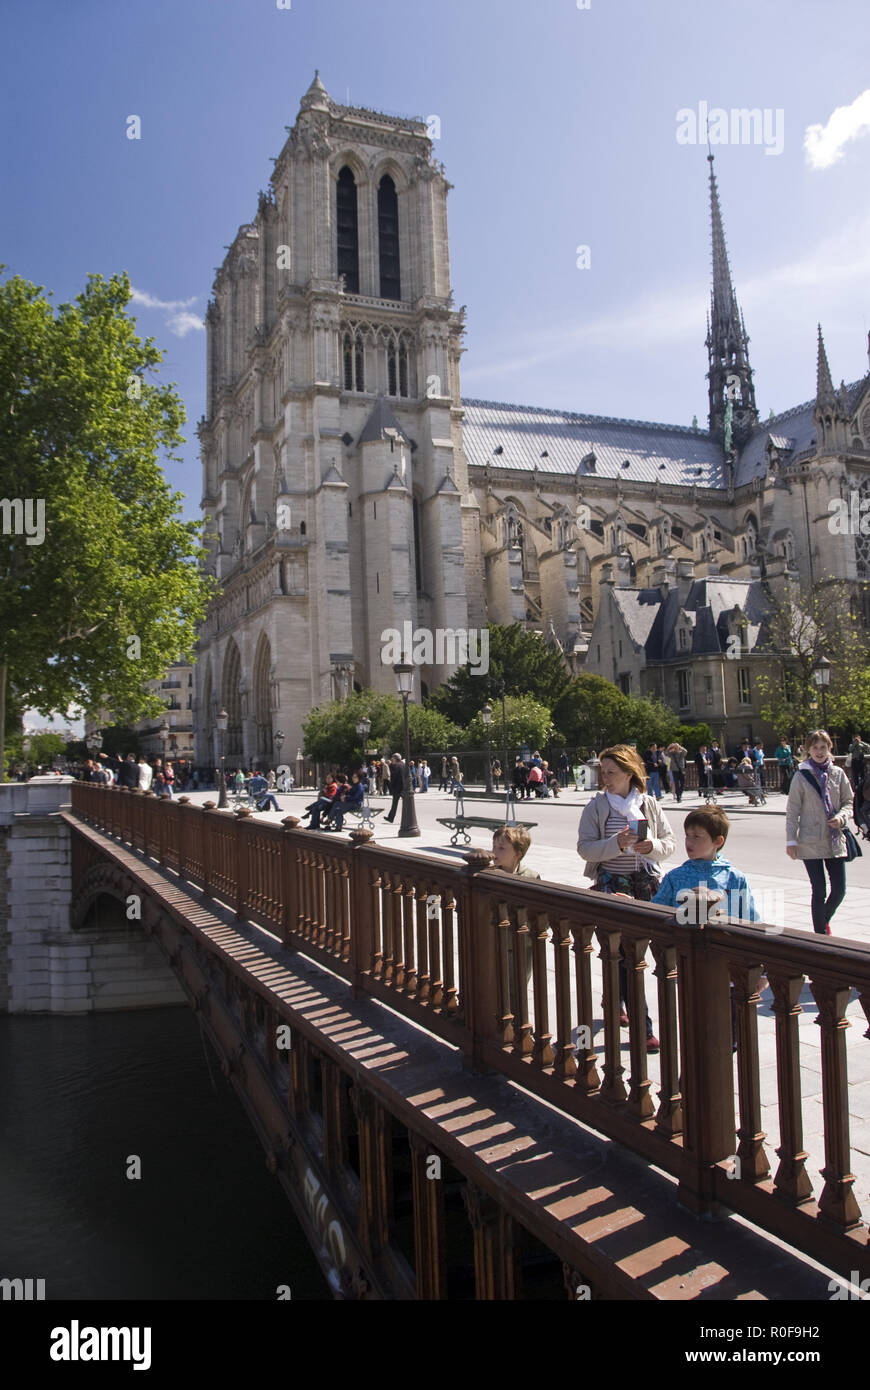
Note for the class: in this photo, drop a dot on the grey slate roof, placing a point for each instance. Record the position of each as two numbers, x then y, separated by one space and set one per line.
381 420
650 616
798 433
524 432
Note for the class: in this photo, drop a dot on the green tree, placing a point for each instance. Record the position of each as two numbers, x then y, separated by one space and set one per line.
526 721
591 713
44 748
803 626
331 736
99 588
523 660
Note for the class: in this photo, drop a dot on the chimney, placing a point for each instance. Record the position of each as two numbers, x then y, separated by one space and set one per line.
664 574
685 578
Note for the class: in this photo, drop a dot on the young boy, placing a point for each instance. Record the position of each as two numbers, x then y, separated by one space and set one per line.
706 877
510 844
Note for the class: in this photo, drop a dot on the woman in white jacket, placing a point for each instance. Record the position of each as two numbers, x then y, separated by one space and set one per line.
618 859
819 801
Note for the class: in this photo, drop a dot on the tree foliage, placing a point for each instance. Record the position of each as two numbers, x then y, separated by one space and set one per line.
526 722
331 737
523 660
593 713
109 593
803 626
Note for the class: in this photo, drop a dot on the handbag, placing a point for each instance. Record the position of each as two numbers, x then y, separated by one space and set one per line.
853 849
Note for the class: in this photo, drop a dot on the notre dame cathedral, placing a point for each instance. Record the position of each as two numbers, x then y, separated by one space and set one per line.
350 488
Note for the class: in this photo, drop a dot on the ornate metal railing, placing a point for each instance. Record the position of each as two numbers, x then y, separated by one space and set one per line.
502 968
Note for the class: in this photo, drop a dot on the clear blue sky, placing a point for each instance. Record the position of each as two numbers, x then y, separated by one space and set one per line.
559 128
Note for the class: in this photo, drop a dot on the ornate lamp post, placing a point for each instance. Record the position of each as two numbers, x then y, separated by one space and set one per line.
405 681
363 728
822 678
222 721
508 786
486 716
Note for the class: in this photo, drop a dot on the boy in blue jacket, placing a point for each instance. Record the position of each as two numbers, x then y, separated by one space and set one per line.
706 877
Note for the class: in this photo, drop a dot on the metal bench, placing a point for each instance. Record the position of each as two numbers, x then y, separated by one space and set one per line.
459 822
365 814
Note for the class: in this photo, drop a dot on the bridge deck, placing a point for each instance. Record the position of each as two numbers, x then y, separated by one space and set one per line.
593 1202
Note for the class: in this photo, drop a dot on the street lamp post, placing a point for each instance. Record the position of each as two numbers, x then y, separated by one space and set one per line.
822 678
508 786
405 681
363 729
223 720
486 716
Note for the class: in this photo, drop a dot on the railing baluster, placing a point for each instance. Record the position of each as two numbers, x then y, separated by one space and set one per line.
521 962
424 927
751 1153
792 1180
588 1079
640 1102
539 930
669 1116
612 1089
837 1203
565 1064
451 1003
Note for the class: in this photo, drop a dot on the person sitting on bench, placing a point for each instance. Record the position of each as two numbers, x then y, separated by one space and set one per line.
350 799
323 803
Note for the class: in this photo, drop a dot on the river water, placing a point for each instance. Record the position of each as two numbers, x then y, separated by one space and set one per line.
80 1097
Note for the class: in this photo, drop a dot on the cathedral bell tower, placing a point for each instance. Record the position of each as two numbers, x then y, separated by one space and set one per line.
333 471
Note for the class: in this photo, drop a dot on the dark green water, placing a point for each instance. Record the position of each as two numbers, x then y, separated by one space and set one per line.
78 1097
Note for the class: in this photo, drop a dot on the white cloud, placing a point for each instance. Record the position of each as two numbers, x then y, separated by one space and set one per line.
184 323
180 321
824 143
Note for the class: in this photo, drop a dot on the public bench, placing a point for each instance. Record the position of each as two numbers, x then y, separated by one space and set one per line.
459 821
365 814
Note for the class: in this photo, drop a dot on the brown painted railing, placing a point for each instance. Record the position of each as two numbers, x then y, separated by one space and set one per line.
501 967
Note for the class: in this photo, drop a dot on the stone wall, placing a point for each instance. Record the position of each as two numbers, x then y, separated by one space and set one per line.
45 966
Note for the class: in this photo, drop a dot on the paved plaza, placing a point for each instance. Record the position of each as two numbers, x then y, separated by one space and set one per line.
756 845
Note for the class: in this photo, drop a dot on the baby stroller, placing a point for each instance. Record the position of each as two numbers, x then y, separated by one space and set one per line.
747 782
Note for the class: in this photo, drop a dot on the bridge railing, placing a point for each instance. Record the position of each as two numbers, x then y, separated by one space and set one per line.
502 968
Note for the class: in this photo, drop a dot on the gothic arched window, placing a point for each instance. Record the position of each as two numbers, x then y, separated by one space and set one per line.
347 231
353 356
388 239
398 377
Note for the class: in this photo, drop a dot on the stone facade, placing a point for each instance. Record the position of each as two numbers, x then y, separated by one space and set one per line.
350 488
47 963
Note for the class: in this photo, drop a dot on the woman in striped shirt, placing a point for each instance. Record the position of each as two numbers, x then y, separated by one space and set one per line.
617 858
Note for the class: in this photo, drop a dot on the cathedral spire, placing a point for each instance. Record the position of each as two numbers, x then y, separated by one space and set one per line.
733 413
824 384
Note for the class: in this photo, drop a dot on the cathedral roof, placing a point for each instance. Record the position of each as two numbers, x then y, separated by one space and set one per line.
650 615
557 441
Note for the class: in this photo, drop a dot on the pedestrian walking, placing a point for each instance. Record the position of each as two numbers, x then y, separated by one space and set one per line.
676 754
816 825
397 785
425 774
445 772
785 759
